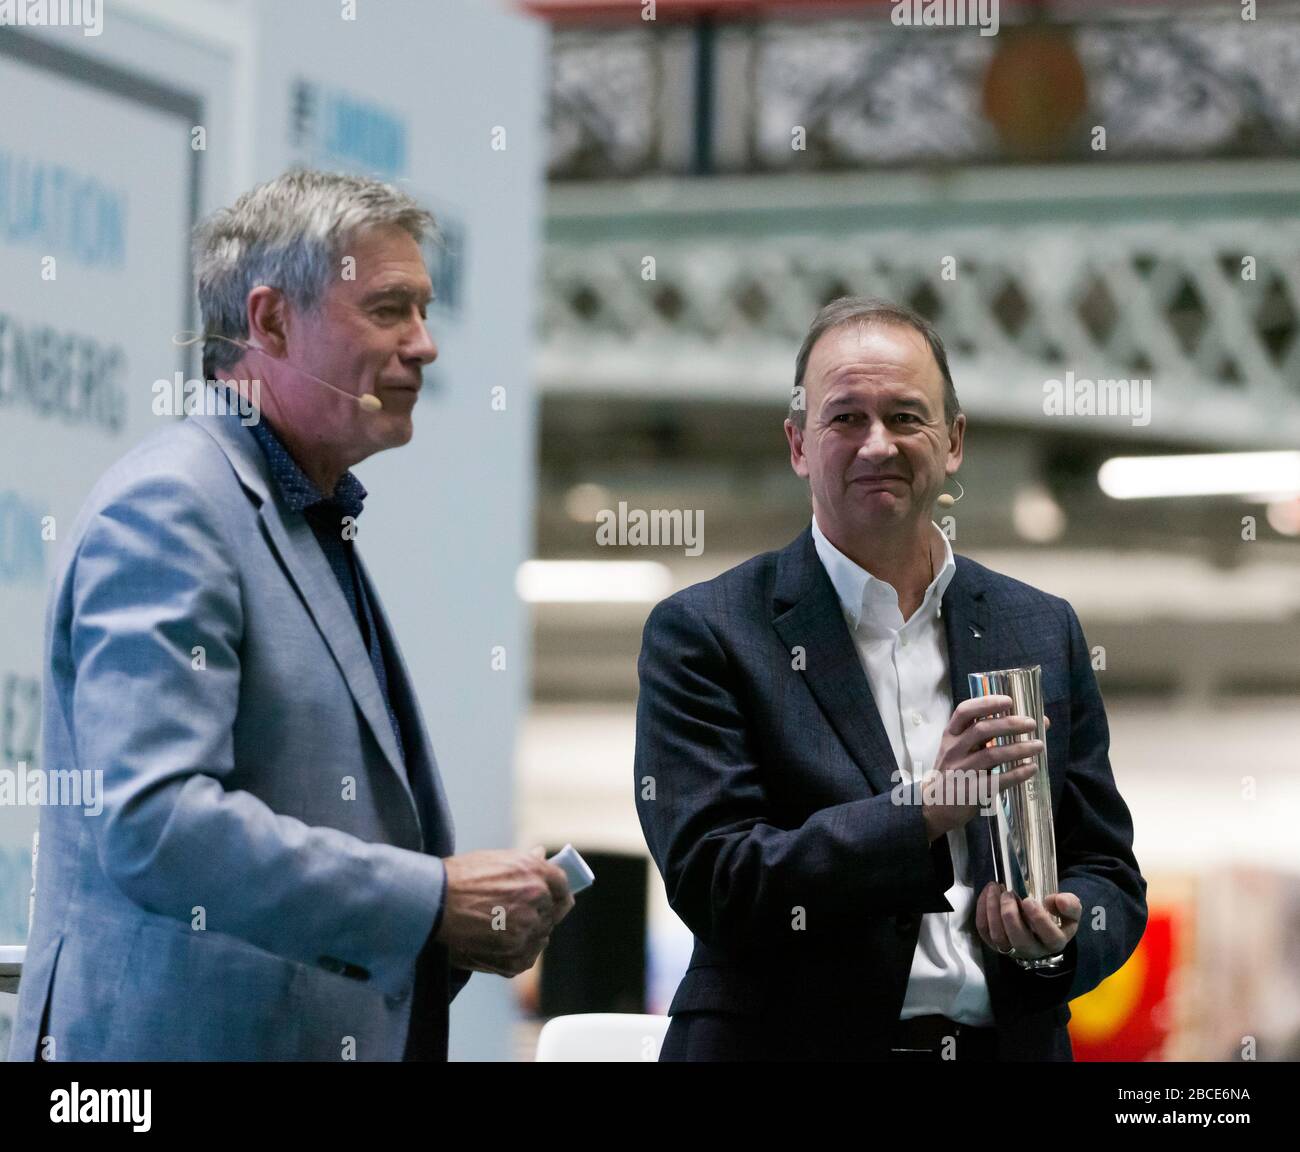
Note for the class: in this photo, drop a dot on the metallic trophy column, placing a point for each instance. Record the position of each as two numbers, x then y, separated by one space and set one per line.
1021 831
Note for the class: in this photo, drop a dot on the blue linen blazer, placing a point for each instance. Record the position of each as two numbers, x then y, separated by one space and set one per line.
264 877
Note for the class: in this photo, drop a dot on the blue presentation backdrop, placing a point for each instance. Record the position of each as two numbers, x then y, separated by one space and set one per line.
101 180
97 190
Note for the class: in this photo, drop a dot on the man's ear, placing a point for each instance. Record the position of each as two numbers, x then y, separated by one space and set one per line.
267 320
956 442
799 462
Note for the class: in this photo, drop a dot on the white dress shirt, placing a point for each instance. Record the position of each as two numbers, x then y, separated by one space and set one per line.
906 663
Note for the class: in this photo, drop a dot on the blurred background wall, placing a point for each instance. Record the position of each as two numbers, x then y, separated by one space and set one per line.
1100 191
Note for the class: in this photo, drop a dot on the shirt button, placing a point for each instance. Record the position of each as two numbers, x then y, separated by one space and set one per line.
904 641
917 718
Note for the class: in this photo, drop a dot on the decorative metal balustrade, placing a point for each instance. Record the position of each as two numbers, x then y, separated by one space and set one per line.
1184 275
1177 81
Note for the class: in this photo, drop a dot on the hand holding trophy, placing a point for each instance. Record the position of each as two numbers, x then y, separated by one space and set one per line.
1021 914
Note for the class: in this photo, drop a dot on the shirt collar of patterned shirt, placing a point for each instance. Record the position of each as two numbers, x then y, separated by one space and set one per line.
297 490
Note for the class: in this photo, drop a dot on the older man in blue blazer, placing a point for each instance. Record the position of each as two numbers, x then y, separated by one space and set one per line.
272 874
803 719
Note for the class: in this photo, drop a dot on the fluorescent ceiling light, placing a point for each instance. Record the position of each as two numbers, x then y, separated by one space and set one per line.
1206 474
592 581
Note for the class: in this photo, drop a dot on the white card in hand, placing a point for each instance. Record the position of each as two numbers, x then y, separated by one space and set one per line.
575 868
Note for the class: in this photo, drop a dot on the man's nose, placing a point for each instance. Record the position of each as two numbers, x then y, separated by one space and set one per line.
877 444
421 347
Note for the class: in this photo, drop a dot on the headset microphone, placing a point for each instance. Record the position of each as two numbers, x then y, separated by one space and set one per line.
946 499
367 400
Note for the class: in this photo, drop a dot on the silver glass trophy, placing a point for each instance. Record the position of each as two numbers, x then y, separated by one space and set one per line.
1020 829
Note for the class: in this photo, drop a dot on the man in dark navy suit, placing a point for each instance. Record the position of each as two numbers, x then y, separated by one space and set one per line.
803 720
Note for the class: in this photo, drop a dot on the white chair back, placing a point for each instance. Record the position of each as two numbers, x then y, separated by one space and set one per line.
602 1037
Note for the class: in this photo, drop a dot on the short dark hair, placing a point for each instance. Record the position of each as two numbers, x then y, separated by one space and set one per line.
869 310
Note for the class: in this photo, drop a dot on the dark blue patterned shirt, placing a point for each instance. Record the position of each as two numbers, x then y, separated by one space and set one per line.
325 516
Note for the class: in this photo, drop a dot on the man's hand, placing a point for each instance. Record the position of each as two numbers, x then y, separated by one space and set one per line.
968 749
501 906
1004 921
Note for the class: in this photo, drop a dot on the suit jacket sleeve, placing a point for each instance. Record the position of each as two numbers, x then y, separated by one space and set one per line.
1094 850
739 879
152 582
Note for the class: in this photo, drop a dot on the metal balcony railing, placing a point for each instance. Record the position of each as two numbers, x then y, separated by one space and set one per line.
1186 275
1167 81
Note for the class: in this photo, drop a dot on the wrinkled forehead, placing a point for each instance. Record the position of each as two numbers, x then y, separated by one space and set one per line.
383 259
874 356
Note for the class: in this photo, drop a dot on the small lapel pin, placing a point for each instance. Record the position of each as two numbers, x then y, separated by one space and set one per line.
975 632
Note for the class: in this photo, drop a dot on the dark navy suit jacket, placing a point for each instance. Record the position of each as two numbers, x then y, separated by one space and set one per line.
763 784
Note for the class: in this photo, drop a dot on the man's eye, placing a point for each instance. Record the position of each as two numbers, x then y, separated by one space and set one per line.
398 311
909 415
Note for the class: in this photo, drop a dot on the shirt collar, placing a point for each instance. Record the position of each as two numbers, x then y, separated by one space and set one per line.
864 597
296 488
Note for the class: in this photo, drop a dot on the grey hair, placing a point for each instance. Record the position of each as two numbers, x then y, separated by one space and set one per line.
869 310
289 233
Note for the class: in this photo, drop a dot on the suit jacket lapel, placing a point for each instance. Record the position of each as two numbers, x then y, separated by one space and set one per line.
310 572
435 812
808 613
972 647
808 616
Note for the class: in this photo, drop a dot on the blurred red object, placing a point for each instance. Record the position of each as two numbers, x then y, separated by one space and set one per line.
1126 1017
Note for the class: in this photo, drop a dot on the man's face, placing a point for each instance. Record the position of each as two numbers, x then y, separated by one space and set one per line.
367 336
875 449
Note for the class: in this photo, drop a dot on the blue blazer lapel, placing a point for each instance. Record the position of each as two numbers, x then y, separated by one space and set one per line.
315 583
807 614
422 767
294 541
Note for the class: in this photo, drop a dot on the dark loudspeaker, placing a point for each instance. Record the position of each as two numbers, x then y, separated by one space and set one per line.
595 961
